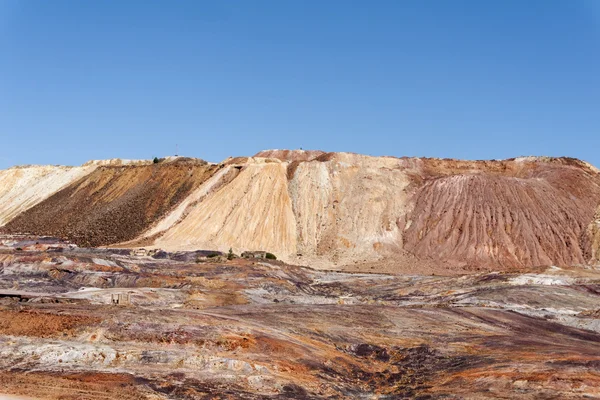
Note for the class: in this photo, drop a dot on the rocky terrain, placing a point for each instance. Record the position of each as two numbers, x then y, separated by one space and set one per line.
328 210
85 323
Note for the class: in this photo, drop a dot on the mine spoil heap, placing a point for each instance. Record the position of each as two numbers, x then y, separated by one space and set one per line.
395 278
326 210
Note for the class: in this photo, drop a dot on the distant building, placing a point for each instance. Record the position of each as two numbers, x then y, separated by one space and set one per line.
254 254
144 252
120 299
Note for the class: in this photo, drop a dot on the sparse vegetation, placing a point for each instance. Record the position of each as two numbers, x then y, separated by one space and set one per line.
230 255
270 256
156 160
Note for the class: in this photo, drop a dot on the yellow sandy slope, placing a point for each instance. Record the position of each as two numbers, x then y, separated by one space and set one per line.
327 212
254 211
329 209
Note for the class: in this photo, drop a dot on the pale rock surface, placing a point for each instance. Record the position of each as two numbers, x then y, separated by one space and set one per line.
215 182
351 207
254 211
23 187
325 213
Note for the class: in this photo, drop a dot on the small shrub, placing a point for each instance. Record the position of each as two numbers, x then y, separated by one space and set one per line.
230 255
270 256
213 255
156 160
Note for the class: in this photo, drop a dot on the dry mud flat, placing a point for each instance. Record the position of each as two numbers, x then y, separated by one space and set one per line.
256 330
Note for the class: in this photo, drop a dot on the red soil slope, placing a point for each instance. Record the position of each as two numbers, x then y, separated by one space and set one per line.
508 214
334 210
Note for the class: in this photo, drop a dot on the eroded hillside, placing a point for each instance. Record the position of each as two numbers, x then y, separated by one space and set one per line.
254 211
24 187
594 231
504 220
339 210
113 203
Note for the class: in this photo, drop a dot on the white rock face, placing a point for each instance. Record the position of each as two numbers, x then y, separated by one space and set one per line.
541 279
23 187
349 208
330 212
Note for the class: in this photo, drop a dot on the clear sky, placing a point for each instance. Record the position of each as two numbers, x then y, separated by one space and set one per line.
475 79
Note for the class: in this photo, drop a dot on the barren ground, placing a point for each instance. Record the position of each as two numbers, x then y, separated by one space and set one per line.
326 210
198 328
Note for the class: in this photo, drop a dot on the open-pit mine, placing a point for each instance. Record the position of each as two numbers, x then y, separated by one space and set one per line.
301 275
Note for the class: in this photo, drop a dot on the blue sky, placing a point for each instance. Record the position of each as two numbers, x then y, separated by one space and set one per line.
472 79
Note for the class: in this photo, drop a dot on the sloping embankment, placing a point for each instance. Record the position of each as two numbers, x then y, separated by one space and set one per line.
113 203
253 211
502 220
24 187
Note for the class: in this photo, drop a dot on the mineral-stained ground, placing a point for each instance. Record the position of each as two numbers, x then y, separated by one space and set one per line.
194 325
339 211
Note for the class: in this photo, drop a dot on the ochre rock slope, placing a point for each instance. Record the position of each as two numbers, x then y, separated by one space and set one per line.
113 203
334 210
339 210
23 187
